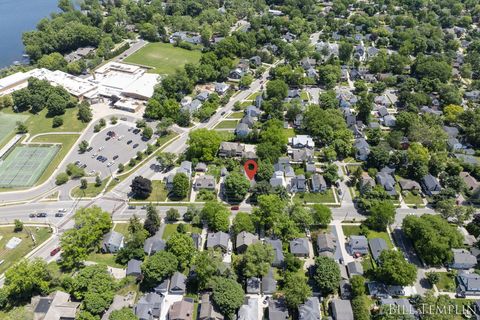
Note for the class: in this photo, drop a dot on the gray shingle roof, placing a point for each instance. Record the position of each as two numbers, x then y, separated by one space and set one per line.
299 246
133 267
310 310
377 246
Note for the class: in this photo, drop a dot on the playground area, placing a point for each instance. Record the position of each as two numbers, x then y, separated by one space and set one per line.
25 164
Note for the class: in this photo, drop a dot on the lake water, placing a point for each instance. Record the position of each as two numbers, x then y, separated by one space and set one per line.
16 17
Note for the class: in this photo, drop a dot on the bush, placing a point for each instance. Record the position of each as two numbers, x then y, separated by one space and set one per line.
61 178
57 121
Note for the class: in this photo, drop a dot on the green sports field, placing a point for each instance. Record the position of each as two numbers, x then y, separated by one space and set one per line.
164 58
8 122
24 165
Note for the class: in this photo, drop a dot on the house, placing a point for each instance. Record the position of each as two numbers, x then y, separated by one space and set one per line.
299 247
386 180
256 61
249 311
366 182
468 284
206 182
326 244
201 167
185 167
236 74
302 155
354 268
203 96
178 283
302 141
181 310
269 284
149 306
218 240
133 268
277 179
253 285
243 240
312 73
389 120
248 120
231 149
358 245
277 309
197 240
318 183
310 310
253 111
409 185
381 290
454 144
56 307
470 182
345 289
341 309
112 242
221 88
283 165
377 246
399 306
259 101
207 310
452 132
153 244
162 287
242 130
362 149
310 167
298 184
277 248
463 259
430 185
382 111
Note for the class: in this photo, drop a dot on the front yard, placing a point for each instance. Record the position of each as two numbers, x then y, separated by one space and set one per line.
170 229
317 197
446 282
349 230
159 192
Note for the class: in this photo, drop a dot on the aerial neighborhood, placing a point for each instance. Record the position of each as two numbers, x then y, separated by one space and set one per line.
250 160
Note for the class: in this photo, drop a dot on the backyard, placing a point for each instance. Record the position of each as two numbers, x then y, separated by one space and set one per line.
316 197
170 229
349 230
164 58
446 282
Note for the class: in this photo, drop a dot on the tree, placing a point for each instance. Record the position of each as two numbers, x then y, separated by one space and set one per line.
327 274
257 260
147 133
345 51
243 222
83 183
277 89
121 167
268 211
216 216
98 181
181 245
61 178
53 61
358 285
236 186
158 267
74 171
361 307
245 81
18 225
166 160
21 127
122 314
227 294
172 214
321 214
152 221
27 279
84 112
206 265
203 144
141 187
301 216
331 173
393 269
296 290
433 237
83 146
57 121
381 215
433 277
181 185
133 248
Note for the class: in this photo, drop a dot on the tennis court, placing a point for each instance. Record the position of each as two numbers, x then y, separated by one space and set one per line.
8 122
24 165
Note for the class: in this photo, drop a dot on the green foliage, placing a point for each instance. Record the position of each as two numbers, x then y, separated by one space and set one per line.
361 307
394 269
75 171
358 285
141 187
172 214
257 260
122 314
321 214
181 245
227 294
26 279
277 89
327 275
243 222
203 144
296 289
152 221
236 186
381 215
181 185
216 215
158 267
18 225
61 178
206 264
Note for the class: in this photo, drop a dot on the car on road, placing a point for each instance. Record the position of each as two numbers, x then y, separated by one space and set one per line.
110 164
41 215
222 113
107 138
32 215
59 214
135 145
77 162
83 166
94 155
136 131
115 157
121 138
55 251
129 141
62 210
89 149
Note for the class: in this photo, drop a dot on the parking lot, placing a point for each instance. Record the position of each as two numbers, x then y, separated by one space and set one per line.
110 147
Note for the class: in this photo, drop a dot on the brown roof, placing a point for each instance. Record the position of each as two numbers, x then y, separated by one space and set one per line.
181 310
470 181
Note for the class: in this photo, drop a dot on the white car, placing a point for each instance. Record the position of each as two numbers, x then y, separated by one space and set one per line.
110 164
121 138
62 210
101 148
94 155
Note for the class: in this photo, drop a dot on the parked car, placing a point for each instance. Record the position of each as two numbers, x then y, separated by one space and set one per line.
41 215
129 141
58 215
115 157
135 145
235 208
121 138
89 149
62 210
55 251
101 148
32 215
107 138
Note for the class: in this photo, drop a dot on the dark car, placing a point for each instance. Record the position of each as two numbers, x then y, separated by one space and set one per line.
58 214
32 215
222 113
135 145
235 208
55 251
107 138
115 157
41 214
129 141
136 131
89 149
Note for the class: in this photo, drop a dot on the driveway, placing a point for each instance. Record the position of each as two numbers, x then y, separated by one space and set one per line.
342 244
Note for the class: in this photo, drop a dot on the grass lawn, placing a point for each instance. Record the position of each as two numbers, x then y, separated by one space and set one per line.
289 132
122 228
253 96
159 192
90 192
172 228
11 256
368 265
104 258
9 123
318 197
164 57
227 124
304 96
245 104
206 195
236 115
349 230
67 141
446 282
411 198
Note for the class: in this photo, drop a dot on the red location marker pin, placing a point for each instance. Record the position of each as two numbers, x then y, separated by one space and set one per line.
251 168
